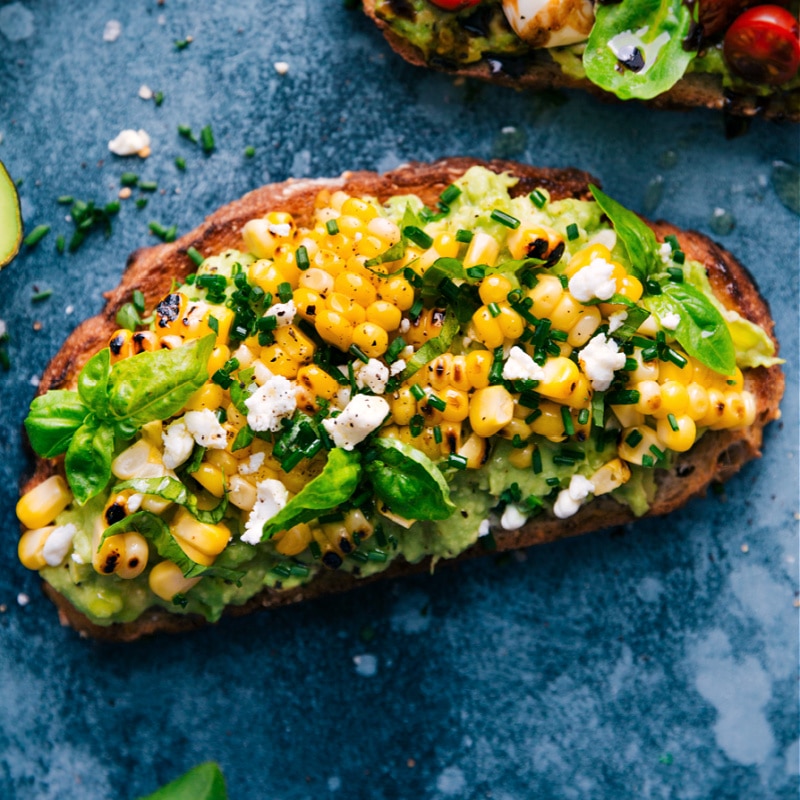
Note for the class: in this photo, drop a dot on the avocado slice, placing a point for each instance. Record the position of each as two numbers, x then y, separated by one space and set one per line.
10 218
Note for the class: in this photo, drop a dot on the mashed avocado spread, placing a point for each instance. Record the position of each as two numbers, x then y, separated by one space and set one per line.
394 381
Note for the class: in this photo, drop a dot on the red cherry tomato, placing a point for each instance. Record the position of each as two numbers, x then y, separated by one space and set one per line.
455 5
763 45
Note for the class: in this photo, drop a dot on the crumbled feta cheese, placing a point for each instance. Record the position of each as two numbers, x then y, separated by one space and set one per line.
281 229
485 528
58 544
362 415
271 497
670 321
205 428
593 282
145 92
77 558
569 500
405 325
281 67
342 397
397 367
599 359
135 502
130 143
513 518
112 30
178 444
253 464
284 313
23 599
270 403
373 375
665 253
521 367
616 320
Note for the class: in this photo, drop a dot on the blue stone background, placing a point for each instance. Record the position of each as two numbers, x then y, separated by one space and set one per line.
658 661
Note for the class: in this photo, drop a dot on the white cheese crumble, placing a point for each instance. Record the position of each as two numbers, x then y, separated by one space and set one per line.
397 367
205 428
134 502
112 30
362 415
281 67
569 500
513 518
281 229
271 497
521 367
23 599
178 444
270 403
670 321
405 325
130 143
485 528
58 544
252 465
373 375
599 359
665 253
593 282
616 320
284 313
145 92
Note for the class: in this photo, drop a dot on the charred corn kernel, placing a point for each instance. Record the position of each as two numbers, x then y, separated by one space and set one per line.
403 405
446 245
585 256
645 370
286 262
549 423
398 291
667 371
170 342
486 328
735 412
223 460
566 313
451 438
457 408
166 581
440 371
334 328
135 552
193 535
521 457
241 493
584 328
748 400
511 324
476 450
678 440
356 287
308 302
217 359
145 342
533 242
317 280
649 402
628 416
716 408
427 326
317 381
31 545
210 477
42 504
674 400
478 366
140 460
425 441
610 476
483 249
352 311
371 338
282 218
384 229
545 295
494 289
357 524
295 342
120 345
292 542
561 377
268 276
209 395
698 401
491 409
636 442
108 554
384 314
337 536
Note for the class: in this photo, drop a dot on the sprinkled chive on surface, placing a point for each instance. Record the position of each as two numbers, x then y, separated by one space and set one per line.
36 235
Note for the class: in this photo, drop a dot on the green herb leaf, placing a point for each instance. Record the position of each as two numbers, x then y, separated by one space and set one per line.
408 482
394 253
433 347
332 487
88 459
638 239
53 420
204 782
633 321
93 382
155 385
173 490
648 37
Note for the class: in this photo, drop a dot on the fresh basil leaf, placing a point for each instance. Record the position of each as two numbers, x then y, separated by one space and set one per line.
332 487
598 409
638 239
635 317
433 347
155 385
88 459
408 482
243 438
173 490
636 50
93 382
157 532
701 331
52 421
238 395
394 253
204 782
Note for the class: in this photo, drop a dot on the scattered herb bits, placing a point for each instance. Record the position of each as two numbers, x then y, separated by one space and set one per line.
36 235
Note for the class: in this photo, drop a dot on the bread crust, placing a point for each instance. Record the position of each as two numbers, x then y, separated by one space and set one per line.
717 456
694 90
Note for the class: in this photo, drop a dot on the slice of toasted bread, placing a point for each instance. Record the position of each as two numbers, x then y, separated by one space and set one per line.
539 71
717 455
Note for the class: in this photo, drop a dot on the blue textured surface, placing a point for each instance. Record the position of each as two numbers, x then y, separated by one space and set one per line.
659 661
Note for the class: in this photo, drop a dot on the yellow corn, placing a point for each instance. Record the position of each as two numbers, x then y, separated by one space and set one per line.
491 409
476 450
533 242
486 328
545 295
241 493
371 339
42 504
610 476
398 291
166 581
334 329
483 249
30 546
679 440
210 478
635 453
384 314
494 289
200 541
479 365
294 541
209 395
521 457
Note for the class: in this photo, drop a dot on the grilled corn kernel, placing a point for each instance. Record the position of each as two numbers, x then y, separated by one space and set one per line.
561 377
317 381
308 302
636 443
545 295
667 371
334 328
645 370
584 328
109 553
491 409
316 280
209 540
403 405
649 401
384 229
295 342
398 291
440 371
457 408
217 359
478 366
483 249
486 328
135 554
241 493
145 342
222 460
679 440
357 524
342 304
566 312
210 478
476 450
268 276
120 345
294 541
384 314
356 287
549 423
42 504
258 239
31 545
698 401
585 256
166 581
371 339
533 242
521 457
494 289
427 326
628 416
610 476
511 324
674 400
209 395
279 362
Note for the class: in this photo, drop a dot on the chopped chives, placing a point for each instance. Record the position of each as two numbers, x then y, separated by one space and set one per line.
43 295
464 236
476 272
112 207
148 186
572 231
61 243
536 461
186 132
302 259
675 274
158 98
182 44
417 391
564 280
494 309
207 139
359 353
180 163
36 235
534 415
631 364
376 555
315 549
66 200
658 453
437 434
552 481
284 291
537 198
197 259
673 423
652 286
505 219
417 236
679 257
437 402
623 397
563 460
634 438
452 192
141 202
415 310
332 227
559 336
566 418
457 461
583 416
395 348
249 151
213 323
128 179
676 358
